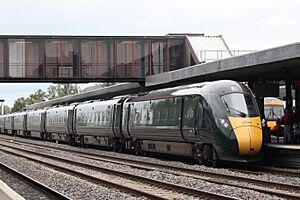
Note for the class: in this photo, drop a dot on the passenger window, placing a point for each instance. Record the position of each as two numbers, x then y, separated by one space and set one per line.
164 113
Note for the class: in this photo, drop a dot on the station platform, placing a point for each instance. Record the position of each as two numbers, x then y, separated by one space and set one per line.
6 193
283 155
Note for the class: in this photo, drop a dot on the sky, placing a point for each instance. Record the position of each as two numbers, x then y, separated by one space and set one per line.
245 25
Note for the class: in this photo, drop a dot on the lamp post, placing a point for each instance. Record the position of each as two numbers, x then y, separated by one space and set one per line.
2 109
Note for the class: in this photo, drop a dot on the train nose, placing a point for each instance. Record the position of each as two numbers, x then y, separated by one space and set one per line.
249 139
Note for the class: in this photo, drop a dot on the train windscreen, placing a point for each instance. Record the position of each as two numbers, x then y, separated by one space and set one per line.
273 112
240 104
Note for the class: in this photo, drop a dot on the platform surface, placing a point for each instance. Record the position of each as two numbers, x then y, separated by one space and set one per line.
283 146
6 193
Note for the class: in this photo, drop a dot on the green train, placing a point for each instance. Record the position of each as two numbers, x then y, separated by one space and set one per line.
208 121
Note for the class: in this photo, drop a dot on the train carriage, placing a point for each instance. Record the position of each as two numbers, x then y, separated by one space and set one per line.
8 123
36 123
19 123
1 123
274 110
59 123
208 121
98 122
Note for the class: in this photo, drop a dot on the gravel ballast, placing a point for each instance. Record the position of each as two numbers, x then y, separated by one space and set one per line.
182 180
21 187
68 185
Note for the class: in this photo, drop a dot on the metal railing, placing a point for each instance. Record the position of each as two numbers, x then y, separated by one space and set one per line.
212 55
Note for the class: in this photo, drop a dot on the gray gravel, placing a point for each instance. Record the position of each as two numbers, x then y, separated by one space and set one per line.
182 180
266 176
68 185
21 187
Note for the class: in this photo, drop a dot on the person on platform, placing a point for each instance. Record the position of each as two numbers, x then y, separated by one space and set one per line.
288 121
297 126
276 130
297 115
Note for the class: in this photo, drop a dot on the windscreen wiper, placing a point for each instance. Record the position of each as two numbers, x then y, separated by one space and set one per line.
241 113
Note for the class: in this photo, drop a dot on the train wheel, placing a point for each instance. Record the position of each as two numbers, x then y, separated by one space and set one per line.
116 146
50 137
82 144
210 155
137 148
215 163
198 153
72 140
43 136
204 154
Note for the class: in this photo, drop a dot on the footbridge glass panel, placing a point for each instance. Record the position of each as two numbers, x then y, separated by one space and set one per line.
2 58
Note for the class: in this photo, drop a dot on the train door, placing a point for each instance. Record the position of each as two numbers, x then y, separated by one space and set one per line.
25 122
190 115
43 121
70 121
117 123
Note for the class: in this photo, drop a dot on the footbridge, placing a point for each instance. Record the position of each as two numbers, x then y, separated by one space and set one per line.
154 62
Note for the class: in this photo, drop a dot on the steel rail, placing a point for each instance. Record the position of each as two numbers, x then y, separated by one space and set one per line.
157 184
274 188
53 194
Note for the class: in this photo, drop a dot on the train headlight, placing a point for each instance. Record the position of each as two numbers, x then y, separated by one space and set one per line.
224 123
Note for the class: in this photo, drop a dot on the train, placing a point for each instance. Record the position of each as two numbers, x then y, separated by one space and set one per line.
208 122
274 110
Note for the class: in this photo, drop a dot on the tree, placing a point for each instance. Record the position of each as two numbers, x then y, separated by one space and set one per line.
19 105
51 93
61 90
38 96
54 91
105 84
6 109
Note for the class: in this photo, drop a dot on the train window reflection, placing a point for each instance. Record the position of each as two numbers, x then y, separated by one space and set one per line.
240 104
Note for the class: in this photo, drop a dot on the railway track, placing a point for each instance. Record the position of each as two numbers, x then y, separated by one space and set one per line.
133 184
34 184
260 170
273 188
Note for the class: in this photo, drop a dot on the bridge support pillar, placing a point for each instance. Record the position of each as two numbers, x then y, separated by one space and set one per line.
297 98
251 85
288 89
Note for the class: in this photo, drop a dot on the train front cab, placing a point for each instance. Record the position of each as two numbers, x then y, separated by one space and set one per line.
238 120
273 109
